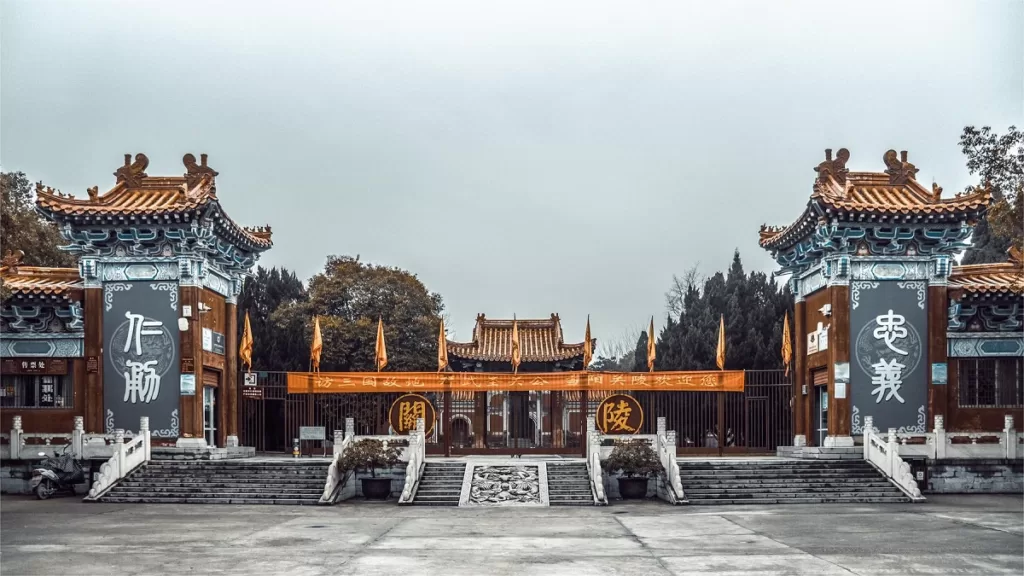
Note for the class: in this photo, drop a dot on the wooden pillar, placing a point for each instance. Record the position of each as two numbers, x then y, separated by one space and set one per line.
938 322
447 424
801 406
480 420
556 419
839 351
191 407
230 384
584 411
93 303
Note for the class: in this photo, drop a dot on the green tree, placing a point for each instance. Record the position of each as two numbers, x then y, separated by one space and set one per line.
640 354
998 161
274 347
349 296
22 228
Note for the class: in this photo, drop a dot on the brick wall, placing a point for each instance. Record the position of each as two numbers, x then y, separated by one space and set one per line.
952 476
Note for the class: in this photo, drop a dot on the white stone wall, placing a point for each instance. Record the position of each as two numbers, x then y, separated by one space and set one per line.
976 476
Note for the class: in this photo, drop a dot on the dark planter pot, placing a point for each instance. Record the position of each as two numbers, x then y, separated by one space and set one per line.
633 488
376 488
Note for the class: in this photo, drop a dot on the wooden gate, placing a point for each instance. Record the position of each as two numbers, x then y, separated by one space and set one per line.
755 421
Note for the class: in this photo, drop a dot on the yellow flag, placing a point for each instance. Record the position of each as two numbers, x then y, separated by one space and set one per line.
787 347
318 344
382 350
442 349
516 357
720 356
588 351
245 348
651 352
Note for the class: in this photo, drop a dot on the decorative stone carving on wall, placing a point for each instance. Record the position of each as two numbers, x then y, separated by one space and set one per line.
42 345
920 287
505 485
981 345
855 288
119 271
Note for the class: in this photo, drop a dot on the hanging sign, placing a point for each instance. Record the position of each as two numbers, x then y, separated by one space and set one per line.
619 414
406 409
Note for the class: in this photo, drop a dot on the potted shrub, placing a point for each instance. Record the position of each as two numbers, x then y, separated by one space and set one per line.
636 462
372 455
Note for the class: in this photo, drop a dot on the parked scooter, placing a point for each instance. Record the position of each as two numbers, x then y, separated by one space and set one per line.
62 472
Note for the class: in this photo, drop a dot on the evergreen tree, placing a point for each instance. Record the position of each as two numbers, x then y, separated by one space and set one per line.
640 354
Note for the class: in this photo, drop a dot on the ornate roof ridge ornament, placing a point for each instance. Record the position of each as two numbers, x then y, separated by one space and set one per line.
834 168
132 173
194 173
899 170
12 260
936 192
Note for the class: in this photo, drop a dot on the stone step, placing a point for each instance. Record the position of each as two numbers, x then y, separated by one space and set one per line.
754 475
204 495
219 487
785 491
166 500
815 500
786 483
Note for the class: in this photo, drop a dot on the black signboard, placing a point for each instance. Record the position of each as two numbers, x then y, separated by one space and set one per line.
889 367
141 375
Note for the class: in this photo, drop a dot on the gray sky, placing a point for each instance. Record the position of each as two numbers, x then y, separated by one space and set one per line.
520 157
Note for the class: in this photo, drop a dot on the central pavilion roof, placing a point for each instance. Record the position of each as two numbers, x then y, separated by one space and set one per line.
539 341
891 196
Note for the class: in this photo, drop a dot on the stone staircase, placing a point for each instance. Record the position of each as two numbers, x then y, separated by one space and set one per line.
569 485
441 484
779 481
223 482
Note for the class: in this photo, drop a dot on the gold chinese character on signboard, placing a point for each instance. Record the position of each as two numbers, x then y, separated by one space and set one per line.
618 380
406 409
662 381
620 414
708 381
638 380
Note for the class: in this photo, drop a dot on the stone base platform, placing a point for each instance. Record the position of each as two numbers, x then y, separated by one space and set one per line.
821 452
202 453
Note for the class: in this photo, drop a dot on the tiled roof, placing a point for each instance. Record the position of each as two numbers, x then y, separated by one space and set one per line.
145 197
1001 278
539 341
32 280
890 194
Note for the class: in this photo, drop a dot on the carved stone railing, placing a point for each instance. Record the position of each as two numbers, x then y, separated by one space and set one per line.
594 463
22 445
337 486
940 443
667 453
335 476
127 457
885 456
417 453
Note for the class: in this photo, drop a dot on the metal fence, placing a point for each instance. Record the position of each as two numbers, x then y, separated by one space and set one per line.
754 421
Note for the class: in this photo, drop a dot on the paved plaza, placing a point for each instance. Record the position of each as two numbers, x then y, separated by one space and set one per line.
981 535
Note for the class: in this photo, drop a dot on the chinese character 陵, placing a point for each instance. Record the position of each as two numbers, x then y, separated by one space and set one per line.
616 417
141 382
890 328
138 327
888 378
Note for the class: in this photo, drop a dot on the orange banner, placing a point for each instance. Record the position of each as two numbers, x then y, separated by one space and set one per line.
335 382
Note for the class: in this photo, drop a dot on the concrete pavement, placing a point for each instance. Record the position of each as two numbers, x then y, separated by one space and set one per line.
981 535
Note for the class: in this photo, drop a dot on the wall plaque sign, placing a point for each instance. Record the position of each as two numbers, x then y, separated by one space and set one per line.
619 414
188 384
940 376
406 409
140 341
888 368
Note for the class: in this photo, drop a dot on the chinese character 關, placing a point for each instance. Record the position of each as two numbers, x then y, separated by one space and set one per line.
408 412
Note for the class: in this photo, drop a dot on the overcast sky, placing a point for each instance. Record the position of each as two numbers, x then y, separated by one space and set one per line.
520 157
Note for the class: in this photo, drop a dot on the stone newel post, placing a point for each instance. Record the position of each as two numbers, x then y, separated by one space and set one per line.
350 427
1009 437
869 427
144 432
939 450
119 451
78 437
16 438
339 438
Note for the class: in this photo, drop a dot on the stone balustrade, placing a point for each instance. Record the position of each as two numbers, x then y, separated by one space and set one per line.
22 445
941 444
